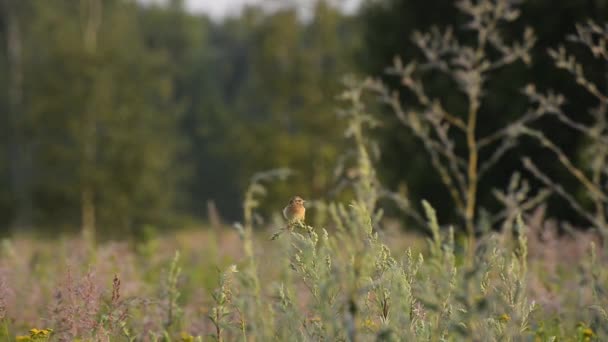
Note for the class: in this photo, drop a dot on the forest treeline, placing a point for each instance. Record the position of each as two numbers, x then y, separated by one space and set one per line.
120 115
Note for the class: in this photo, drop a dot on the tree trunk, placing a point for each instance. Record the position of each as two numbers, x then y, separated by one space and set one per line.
91 14
18 151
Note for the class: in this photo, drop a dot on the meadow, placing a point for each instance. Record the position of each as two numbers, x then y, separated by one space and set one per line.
369 263
345 283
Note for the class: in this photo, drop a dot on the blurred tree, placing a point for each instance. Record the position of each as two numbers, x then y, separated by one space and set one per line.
17 147
117 113
102 122
183 39
284 115
257 92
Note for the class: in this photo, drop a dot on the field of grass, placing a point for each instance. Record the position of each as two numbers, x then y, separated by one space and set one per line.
345 283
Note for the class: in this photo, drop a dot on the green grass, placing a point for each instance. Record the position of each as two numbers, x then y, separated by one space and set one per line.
340 283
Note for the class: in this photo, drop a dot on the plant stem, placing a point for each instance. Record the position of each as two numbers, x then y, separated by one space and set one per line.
472 171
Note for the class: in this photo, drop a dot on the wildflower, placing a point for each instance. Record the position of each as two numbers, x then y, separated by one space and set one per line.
314 319
39 334
504 318
588 333
370 324
185 337
585 332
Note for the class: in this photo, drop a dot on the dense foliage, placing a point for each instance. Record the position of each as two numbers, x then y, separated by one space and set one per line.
122 115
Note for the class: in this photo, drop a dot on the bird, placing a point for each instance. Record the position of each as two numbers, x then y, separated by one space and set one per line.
295 211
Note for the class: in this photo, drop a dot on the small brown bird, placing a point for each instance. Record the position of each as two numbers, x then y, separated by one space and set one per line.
295 210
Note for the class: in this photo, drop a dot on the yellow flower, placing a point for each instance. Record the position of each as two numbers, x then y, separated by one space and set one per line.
588 332
36 334
185 337
504 318
370 324
585 332
314 319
